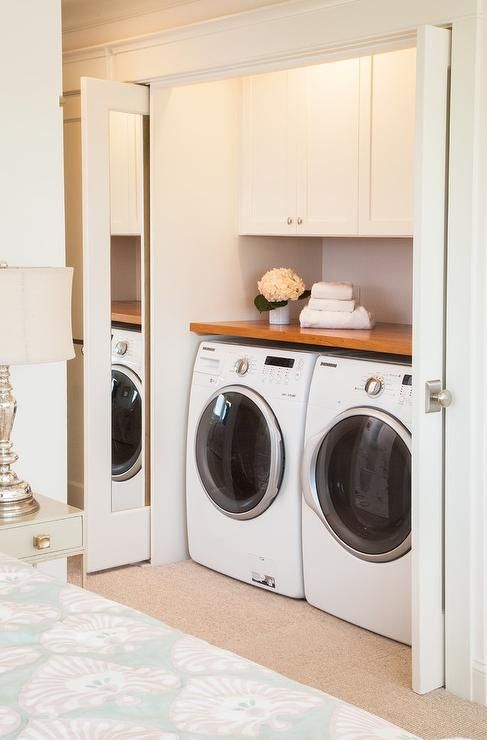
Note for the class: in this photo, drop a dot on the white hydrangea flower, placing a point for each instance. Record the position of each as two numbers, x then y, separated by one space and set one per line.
281 284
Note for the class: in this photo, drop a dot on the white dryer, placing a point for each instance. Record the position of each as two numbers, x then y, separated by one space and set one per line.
128 484
245 435
356 478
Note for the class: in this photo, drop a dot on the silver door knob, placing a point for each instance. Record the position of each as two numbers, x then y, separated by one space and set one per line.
444 398
300 221
437 398
374 386
289 220
242 366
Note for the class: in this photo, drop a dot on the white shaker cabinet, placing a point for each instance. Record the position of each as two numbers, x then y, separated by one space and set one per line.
125 173
268 172
387 128
328 150
300 151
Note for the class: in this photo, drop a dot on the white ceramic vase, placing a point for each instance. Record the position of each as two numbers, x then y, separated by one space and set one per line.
280 315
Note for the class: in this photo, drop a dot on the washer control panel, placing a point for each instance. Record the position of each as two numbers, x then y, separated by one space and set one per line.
374 386
242 366
272 370
121 347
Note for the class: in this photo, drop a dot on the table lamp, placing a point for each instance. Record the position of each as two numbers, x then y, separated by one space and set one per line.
35 303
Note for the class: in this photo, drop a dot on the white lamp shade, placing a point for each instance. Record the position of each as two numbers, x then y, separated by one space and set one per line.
35 315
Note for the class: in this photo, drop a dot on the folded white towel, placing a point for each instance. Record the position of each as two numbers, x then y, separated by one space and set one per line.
358 319
335 291
329 304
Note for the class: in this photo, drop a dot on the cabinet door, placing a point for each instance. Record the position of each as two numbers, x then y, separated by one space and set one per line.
125 173
327 169
268 185
387 125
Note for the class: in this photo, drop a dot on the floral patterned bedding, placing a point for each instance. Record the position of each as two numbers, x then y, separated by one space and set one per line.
74 665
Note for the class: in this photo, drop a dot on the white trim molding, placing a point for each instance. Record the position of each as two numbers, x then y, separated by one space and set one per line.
479 682
275 37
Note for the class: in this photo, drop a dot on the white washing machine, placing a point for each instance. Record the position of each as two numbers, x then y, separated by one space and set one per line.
356 478
245 435
128 485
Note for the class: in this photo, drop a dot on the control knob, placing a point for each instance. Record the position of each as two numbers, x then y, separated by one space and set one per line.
242 366
374 386
121 348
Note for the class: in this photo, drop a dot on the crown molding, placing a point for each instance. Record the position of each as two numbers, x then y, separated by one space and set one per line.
83 15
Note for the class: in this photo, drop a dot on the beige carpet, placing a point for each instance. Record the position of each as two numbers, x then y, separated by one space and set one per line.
293 638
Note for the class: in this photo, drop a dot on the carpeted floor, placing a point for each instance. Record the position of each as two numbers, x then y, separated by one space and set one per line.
290 637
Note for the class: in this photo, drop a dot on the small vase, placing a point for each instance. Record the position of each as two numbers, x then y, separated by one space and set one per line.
280 315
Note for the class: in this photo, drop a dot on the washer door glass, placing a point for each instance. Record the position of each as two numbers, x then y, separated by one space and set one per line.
126 423
363 483
239 452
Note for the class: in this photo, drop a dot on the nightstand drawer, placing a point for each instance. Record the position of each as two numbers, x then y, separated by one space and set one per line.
51 537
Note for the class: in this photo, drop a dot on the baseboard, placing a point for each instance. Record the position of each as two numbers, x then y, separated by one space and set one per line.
479 682
76 494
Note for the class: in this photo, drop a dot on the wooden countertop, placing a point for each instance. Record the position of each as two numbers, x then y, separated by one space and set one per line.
127 312
387 338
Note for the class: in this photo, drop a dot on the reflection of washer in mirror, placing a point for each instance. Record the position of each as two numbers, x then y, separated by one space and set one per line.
127 420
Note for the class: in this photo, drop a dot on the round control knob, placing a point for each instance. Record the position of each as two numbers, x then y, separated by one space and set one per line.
374 386
121 348
242 366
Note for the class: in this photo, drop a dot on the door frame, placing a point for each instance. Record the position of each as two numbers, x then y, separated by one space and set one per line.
282 38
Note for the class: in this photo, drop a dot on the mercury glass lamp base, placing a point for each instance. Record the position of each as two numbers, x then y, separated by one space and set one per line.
17 501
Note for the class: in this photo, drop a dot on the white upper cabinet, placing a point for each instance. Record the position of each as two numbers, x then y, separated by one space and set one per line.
268 188
387 127
126 169
328 150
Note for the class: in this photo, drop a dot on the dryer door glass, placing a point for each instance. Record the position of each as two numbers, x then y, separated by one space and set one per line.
363 482
239 452
126 423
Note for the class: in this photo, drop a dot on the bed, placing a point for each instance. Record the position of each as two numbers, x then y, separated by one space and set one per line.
74 665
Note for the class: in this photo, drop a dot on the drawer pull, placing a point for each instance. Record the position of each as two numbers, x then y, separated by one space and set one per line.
42 541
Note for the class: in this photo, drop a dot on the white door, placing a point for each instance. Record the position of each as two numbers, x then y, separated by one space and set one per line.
433 61
268 179
113 537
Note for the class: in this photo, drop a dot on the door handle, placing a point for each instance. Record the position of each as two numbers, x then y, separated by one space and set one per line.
436 397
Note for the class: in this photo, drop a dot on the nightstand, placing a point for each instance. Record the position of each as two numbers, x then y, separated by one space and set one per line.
55 531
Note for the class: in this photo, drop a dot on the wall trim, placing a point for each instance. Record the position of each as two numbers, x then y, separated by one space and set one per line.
272 37
479 682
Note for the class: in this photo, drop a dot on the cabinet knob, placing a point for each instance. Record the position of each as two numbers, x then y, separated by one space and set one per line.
300 220
289 220
42 541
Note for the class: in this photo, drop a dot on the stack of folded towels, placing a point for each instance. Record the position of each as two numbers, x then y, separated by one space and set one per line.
331 306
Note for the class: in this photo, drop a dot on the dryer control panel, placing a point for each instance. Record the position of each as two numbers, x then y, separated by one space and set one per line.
394 384
340 383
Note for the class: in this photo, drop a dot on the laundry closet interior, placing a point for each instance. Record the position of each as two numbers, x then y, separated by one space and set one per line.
203 188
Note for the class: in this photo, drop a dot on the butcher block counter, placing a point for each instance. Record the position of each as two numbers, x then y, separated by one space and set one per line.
384 338
127 312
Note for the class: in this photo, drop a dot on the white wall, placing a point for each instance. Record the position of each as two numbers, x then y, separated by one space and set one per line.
126 277
201 270
381 269
31 193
